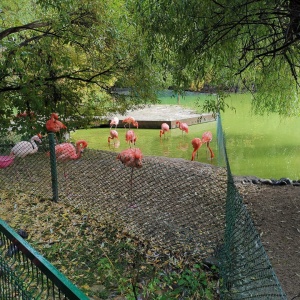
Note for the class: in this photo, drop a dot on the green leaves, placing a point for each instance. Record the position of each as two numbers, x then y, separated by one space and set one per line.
242 44
57 55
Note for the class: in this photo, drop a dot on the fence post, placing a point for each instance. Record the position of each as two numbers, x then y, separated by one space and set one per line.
53 166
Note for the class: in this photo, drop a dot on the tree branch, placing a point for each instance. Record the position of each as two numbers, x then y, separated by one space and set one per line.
29 26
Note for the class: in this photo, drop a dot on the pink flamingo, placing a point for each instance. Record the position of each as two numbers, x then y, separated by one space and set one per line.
114 122
207 138
183 126
113 135
6 161
130 120
24 148
132 158
67 151
164 128
53 125
130 137
197 143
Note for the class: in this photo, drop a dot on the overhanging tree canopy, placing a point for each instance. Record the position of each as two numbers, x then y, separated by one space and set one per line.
242 43
66 56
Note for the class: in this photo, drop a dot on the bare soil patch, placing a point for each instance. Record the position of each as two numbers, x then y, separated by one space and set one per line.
276 214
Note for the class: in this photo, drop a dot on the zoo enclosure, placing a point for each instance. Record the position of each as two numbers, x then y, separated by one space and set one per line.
180 206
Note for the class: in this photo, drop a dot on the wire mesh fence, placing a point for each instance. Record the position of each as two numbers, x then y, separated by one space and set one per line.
245 267
176 205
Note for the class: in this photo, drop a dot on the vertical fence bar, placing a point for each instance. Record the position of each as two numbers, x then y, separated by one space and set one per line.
53 166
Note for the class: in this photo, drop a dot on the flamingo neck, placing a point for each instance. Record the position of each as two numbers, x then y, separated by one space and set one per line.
78 151
33 144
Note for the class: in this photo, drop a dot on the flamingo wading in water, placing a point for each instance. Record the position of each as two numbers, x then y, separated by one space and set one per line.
130 137
183 126
207 138
113 136
164 128
197 143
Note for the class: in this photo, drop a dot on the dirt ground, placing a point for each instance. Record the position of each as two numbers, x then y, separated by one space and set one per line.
275 209
276 213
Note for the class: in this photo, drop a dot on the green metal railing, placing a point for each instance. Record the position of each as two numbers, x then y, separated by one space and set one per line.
26 274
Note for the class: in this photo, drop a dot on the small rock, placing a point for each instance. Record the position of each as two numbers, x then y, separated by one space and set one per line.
23 233
211 261
267 181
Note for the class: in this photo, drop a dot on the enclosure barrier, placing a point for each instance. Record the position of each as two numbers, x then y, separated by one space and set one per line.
244 265
180 206
26 275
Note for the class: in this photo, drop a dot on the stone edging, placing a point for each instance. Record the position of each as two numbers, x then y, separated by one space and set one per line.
275 182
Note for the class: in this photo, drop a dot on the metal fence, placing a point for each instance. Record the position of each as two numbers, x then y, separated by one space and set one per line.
25 274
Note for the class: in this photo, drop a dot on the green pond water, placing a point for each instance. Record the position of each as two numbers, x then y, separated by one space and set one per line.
262 146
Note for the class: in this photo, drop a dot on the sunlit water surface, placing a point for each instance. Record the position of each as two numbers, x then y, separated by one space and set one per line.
262 146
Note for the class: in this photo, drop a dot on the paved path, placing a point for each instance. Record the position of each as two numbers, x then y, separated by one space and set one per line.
152 116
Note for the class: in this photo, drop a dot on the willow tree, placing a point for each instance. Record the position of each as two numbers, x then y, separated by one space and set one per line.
67 56
253 45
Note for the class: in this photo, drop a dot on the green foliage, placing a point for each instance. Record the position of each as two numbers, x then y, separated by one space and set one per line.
249 46
67 56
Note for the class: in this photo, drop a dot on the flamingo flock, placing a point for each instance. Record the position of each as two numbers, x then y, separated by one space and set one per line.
131 138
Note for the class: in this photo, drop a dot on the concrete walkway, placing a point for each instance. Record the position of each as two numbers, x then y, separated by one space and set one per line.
152 116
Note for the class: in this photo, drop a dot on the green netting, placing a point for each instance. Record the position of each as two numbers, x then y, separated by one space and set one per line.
245 267
179 207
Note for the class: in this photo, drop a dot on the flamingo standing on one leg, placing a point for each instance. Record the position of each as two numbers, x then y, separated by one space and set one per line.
197 143
113 135
164 128
207 138
130 120
183 126
132 158
130 137
114 122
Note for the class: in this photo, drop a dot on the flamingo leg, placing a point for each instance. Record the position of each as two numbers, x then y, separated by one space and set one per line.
211 154
131 188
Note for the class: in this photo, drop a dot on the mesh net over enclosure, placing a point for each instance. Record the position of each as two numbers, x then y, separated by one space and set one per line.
245 267
177 206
